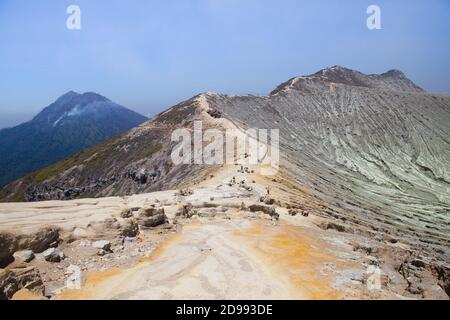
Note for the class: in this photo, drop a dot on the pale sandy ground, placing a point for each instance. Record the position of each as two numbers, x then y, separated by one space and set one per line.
228 259
231 256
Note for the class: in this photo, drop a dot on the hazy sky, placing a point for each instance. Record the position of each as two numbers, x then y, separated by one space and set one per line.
148 55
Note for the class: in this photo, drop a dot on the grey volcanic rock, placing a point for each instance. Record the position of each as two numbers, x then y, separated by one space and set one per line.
129 228
53 255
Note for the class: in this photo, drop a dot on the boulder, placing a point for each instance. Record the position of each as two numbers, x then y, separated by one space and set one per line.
102 245
14 280
80 233
129 228
53 255
24 256
101 252
186 211
8 245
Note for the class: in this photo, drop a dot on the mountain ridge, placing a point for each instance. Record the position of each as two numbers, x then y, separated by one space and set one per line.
356 154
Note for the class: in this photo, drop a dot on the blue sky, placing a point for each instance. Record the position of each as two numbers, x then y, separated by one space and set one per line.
148 55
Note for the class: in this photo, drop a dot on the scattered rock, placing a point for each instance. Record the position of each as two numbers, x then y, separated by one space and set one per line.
186 192
53 255
24 256
8 245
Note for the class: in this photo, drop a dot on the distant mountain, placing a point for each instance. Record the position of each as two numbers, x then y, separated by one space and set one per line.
371 152
72 123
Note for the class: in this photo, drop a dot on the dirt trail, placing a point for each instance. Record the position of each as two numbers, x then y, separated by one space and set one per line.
221 260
